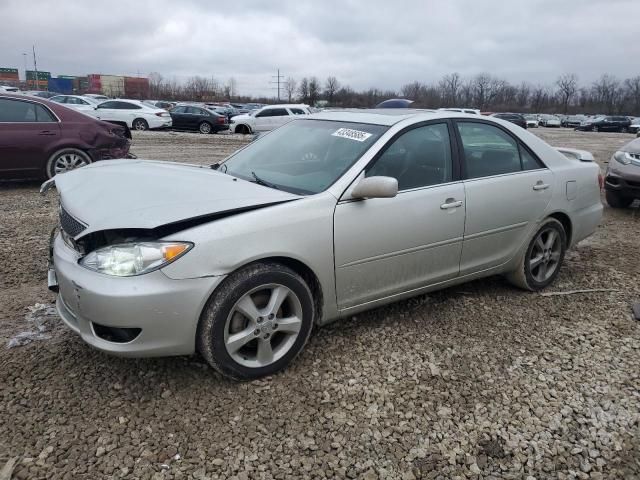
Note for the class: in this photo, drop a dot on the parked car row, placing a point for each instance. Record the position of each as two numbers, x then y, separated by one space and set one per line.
606 124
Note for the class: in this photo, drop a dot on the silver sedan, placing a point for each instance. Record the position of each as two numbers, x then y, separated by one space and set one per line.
327 216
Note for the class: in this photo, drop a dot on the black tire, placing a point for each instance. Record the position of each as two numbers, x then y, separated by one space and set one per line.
624 130
213 323
617 200
595 128
243 129
523 277
68 153
205 128
140 124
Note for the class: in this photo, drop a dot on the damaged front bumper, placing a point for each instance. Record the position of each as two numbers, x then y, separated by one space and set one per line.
146 315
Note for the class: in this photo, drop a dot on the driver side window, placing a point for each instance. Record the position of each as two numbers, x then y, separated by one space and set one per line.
420 157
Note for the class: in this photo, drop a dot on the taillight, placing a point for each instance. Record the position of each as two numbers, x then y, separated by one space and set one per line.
162 114
600 180
222 119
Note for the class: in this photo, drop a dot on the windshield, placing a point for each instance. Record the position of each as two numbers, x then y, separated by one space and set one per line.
303 156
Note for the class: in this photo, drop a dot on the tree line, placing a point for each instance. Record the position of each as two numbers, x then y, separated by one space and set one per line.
606 95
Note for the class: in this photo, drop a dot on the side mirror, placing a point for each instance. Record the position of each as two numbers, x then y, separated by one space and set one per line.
375 187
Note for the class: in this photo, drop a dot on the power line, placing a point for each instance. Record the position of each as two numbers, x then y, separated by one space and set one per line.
277 77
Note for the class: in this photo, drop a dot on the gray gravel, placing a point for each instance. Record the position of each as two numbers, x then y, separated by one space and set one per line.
477 381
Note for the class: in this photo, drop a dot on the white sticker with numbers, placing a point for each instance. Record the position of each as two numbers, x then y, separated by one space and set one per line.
356 135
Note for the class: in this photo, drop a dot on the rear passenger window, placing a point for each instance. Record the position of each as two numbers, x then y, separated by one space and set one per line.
490 151
43 115
529 162
297 111
418 158
20 111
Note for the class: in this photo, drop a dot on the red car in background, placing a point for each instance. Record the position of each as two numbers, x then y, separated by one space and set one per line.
39 138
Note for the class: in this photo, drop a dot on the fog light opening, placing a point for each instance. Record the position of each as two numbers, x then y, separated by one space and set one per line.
116 334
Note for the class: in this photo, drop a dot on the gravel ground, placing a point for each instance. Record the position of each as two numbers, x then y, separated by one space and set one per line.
477 381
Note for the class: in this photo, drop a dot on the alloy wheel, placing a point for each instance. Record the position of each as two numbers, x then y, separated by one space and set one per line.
68 161
263 325
205 128
545 255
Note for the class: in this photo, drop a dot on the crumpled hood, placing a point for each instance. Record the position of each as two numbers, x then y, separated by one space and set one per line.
116 194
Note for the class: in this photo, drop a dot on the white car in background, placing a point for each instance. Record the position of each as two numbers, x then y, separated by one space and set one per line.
267 118
77 102
549 121
532 121
134 113
96 96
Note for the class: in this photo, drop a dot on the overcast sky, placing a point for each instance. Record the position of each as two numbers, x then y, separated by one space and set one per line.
365 43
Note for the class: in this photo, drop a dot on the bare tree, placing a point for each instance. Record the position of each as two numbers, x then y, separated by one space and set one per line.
412 91
632 94
607 93
304 90
450 87
332 86
567 89
290 87
314 90
230 88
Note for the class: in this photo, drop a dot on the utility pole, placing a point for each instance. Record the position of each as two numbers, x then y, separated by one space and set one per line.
35 67
277 81
24 57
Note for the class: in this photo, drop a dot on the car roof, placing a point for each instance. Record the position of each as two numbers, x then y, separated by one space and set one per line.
386 116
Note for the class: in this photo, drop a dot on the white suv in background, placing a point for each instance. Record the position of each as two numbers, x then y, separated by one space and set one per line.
267 118
137 115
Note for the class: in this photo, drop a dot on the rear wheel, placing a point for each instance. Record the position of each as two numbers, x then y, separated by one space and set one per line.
624 130
205 128
66 160
617 200
243 129
140 124
541 262
595 128
256 322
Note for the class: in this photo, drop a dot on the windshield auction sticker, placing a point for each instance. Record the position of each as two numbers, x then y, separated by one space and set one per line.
356 135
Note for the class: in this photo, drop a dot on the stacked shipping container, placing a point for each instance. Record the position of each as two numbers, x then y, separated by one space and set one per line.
38 80
112 85
9 76
136 87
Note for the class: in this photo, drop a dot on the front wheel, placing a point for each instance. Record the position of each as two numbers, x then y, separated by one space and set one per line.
140 124
617 200
256 322
542 260
66 160
624 130
595 128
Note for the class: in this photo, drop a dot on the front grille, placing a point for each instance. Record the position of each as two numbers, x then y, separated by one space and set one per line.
69 224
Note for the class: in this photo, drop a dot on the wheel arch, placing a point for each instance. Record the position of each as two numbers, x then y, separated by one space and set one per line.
301 269
565 220
248 127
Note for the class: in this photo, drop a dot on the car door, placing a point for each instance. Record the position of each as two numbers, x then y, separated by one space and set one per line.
195 115
27 129
279 117
386 246
263 120
178 117
109 111
507 191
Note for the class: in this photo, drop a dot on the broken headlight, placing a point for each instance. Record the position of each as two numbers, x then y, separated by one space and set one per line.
129 259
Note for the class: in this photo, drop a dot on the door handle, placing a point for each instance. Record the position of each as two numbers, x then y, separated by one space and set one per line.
540 186
451 203
46 132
